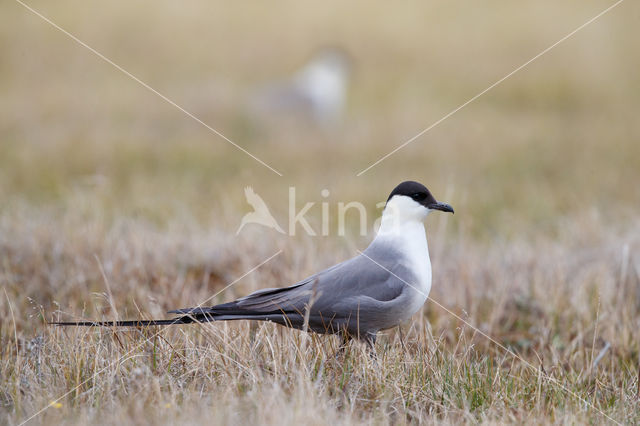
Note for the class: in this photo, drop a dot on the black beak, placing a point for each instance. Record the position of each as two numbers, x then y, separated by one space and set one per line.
443 207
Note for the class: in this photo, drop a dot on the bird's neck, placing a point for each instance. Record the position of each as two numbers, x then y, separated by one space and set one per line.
402 215
407 235
394 228
402 224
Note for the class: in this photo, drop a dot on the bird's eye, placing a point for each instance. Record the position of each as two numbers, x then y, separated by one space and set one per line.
419 196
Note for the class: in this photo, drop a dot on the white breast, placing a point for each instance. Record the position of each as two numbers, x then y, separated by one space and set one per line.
416 251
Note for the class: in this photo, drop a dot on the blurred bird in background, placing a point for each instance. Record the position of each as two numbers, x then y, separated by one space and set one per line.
316 93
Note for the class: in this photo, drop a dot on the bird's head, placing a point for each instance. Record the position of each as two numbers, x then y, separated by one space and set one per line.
412 201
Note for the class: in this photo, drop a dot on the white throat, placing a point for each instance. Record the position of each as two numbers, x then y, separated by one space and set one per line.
402 211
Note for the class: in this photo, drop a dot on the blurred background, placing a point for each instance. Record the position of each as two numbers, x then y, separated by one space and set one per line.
559 138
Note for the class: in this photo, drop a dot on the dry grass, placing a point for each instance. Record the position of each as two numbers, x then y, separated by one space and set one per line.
557 310
112 204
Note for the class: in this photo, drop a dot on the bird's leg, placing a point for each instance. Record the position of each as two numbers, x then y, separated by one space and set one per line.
404 348
370 340
346 338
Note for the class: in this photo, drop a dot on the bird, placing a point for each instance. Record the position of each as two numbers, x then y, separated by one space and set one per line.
381 287
261 214
317 91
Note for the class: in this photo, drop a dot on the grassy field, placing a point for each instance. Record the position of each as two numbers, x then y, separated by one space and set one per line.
114 204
